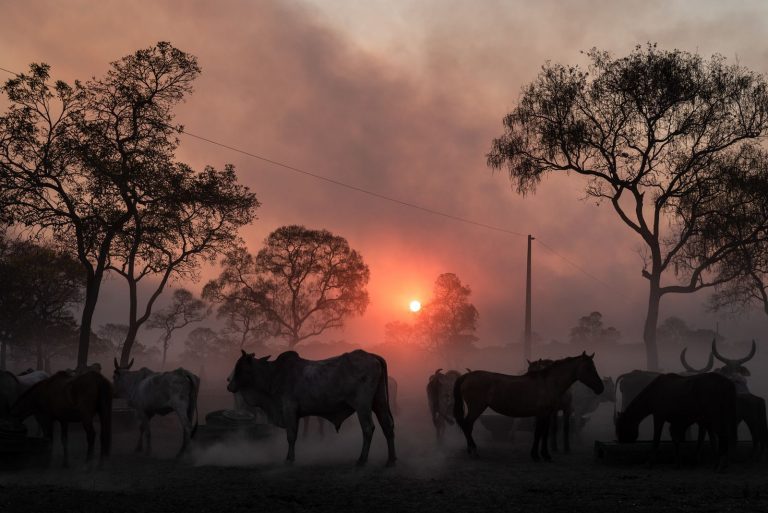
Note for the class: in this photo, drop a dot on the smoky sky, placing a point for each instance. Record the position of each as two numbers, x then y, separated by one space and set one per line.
402 98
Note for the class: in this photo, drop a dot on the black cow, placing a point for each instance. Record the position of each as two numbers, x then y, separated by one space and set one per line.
291 387
706 399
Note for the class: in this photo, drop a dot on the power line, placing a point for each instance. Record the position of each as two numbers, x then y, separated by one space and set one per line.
376 195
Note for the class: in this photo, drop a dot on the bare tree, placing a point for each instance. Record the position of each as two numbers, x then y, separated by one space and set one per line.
304 282
185 309
655 133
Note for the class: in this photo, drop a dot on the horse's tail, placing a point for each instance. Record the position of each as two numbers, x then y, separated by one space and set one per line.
192 405
458 401
105 415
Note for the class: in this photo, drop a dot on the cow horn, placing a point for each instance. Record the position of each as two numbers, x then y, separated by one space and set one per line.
468 369
244 353
737 361
117 366
688 368
437 372
130 364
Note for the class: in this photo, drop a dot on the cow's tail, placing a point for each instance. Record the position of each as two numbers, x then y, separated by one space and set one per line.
192 405
384 382
458 401
105 416
616 395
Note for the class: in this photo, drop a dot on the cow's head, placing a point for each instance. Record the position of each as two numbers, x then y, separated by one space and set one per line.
626 430
249 373
734 367
119 378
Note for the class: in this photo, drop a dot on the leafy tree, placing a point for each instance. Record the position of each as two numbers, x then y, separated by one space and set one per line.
92 165
656 134
447 323
39 287
401 334
303 281
590 332
248 325
185 309
115 335
205 345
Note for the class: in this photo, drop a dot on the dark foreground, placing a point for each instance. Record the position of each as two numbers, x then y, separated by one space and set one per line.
251 477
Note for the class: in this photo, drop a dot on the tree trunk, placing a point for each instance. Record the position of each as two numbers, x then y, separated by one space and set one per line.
651 321
130 338
91 297
165 352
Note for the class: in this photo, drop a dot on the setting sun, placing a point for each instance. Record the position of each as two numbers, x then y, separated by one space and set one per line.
415 305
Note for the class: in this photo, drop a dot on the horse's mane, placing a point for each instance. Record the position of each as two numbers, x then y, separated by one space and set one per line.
546 370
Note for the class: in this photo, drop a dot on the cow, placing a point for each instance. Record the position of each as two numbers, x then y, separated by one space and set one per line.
291 387
159 393
750 408
440 399
707 399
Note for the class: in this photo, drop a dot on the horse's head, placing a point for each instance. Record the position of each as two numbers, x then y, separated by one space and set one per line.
249 373
626 430
587 373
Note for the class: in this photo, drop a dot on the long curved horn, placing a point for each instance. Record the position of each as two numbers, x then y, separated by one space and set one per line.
734 362
437 372
688 368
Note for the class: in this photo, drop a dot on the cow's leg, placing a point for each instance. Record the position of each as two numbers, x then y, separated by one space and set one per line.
186 427
439 428
567 430
148 434
142 428
64 442
699 441
367 426
658 425
387 423
90 434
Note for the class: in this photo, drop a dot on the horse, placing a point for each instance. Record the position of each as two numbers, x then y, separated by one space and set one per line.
534 394
440 399
65 398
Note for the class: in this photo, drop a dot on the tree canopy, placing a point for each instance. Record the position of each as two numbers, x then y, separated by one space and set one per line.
656 134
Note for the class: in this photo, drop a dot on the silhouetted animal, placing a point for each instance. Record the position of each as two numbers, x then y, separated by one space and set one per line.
440 399
66 398
534 394
159 393
30 376
10 389
576 403
749 408
291 387
734 368
706 399
629 386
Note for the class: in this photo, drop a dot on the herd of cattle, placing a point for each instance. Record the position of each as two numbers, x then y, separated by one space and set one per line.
289 388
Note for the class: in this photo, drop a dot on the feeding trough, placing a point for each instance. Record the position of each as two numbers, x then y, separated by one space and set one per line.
221 425
19 450
640 452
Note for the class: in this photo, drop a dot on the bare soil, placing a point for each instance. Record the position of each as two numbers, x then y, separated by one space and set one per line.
239 475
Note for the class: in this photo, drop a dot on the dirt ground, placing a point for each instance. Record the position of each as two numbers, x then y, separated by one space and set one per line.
245 476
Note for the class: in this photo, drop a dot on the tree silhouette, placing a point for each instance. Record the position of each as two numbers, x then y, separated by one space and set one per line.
656 133
447 323
183 310
590 333
39 286
85 162
303 281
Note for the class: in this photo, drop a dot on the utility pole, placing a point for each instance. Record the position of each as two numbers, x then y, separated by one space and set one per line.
527 340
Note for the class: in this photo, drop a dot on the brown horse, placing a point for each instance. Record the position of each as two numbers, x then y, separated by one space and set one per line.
534 394
66 398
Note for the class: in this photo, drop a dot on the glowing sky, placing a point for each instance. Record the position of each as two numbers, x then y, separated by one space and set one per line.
402 98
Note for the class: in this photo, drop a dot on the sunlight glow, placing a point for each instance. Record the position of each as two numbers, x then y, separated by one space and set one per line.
415 305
